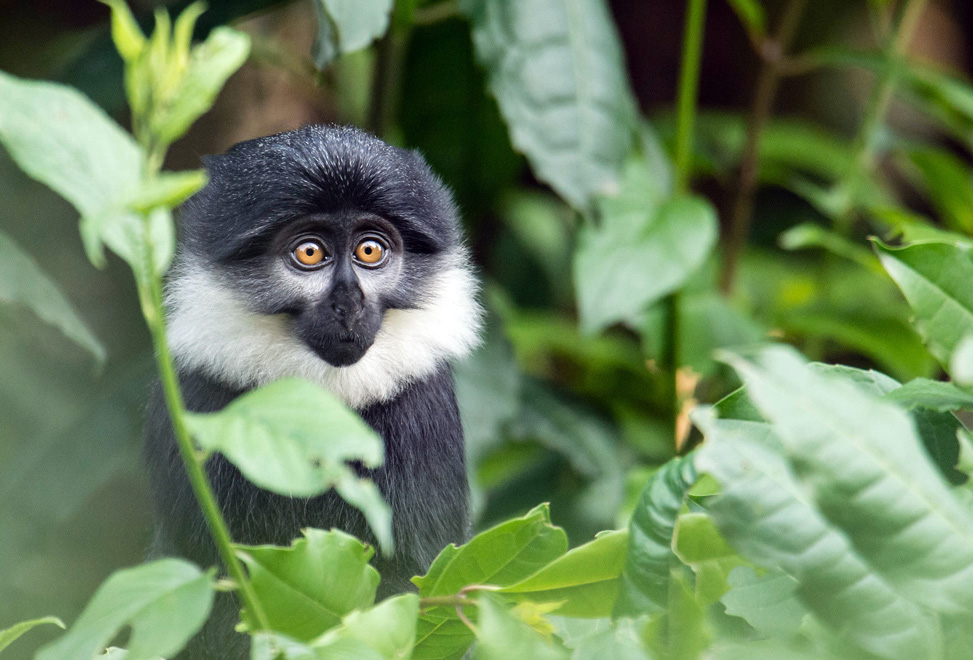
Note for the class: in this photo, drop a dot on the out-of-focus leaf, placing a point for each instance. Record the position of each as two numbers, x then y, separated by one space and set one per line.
844 441
935 279
165 602
931 394
22 282
502 636
914 228
767 516
949 183
699 545
646 576
767 602
751 14
961 364
502 555
556 69
210 65
9 635
125 31
345 26
307 588
811 235
295 438
389 628
636 255
168 189
60 138
584 581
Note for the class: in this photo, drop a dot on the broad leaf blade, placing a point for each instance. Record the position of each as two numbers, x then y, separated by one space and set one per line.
9 635
345 26
585 580
308 587
388 628
935 279
866 467
23 282
646 576
556 69
502 636
763 512
165 602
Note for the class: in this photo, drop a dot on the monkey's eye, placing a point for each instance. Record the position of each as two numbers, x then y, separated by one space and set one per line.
370 252
309 253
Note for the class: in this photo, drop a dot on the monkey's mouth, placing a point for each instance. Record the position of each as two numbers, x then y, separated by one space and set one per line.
341 349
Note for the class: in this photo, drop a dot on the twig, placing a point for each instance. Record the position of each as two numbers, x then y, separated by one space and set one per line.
772 53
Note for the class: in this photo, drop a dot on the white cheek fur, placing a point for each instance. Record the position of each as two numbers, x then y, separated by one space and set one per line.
211 329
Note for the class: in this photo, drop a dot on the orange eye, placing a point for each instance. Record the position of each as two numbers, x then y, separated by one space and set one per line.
370 252
309 253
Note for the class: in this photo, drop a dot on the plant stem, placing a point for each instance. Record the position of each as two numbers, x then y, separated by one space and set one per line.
772 53
866 142
688 93
390 55
150 294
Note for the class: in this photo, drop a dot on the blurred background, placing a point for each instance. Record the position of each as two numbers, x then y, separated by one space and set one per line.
552 414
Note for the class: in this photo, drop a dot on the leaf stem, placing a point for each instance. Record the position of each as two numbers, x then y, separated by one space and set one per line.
772 52
866 141
150 295
688 94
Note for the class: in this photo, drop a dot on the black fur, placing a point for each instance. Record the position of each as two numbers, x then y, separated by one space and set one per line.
259 191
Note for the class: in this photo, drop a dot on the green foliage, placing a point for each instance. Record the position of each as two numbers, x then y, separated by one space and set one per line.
308 587
22 282
274 435
345 26
165 602
556 69
9 635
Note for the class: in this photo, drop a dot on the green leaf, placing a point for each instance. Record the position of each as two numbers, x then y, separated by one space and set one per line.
961 364
502 636
843 442
210 65
948 181
931 394
935 279
767 516
646 576
9 635
698 544
768 602
294 438
62 139
22 282
165 602
637 255
585 580
501 556
808 234
307 588
168 189
125 30
345 26
751 13
557 71
389 628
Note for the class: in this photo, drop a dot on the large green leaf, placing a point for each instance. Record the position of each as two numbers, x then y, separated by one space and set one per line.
23 282
869 475
9 635
638 253
768 602
584 580
165 602
388 628
294 438
345 26
646 576
502 636
307 588
500 556
556 69
62 139
931 394
768 517
948 181
935 279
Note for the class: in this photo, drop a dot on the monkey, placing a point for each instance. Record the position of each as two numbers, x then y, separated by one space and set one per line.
326 254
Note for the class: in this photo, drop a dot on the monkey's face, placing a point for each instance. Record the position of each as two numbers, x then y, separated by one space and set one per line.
335 275
325 254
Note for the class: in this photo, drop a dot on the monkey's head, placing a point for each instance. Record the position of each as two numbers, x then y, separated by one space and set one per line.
322 253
